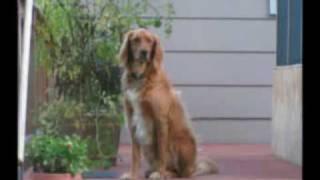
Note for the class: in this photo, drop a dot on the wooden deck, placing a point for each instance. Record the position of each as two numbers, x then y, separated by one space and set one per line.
236 162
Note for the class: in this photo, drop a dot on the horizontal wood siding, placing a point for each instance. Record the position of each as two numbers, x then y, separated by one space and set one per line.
224 131
233 131
227 102
220 68
218 8
220 55
222 35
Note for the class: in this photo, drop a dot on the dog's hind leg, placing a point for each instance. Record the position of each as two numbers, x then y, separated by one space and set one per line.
186 153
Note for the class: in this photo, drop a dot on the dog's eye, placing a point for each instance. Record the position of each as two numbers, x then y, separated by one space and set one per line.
136 40
149 40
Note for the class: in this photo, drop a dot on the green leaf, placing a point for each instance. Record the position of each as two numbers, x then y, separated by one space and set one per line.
157 23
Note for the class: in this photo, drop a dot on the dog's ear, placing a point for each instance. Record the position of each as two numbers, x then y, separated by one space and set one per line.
157 51
125 54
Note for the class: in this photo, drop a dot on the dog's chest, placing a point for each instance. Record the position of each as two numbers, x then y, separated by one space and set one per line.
142 127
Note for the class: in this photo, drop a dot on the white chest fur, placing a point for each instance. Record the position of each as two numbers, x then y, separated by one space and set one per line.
142 129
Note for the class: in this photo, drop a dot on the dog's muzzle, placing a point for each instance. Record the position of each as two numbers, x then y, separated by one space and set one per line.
136 76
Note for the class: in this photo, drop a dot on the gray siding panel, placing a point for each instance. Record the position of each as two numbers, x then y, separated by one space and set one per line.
222 131
218 8
211 68
221 35
250 102
220 55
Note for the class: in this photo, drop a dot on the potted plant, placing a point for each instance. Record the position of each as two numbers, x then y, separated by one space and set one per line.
57 158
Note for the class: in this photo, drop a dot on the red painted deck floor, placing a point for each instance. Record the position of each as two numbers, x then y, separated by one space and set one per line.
235 162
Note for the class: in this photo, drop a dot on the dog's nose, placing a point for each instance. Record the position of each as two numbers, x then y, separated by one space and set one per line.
143 54
136 75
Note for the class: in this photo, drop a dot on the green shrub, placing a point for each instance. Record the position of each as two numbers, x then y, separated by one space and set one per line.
77 42
66 117
53 154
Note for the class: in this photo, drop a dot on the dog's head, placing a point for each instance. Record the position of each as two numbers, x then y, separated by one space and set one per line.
140 51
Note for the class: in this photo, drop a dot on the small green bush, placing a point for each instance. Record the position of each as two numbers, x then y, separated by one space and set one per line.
68 117
53 154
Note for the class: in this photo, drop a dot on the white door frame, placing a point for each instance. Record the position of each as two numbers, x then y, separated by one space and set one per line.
23 78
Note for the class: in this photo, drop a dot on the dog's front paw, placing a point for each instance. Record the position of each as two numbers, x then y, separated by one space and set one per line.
147 173
155 176
127 176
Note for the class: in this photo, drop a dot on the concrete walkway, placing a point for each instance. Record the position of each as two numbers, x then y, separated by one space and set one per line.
236 162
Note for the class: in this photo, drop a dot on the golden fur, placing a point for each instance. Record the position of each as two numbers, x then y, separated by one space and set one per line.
158 124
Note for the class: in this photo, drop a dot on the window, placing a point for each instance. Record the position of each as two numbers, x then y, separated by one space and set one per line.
273 7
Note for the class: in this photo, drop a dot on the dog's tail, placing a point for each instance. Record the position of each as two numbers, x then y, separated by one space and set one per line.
204 167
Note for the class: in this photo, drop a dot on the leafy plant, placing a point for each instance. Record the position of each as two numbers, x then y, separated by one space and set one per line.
54 154
70 117
77 43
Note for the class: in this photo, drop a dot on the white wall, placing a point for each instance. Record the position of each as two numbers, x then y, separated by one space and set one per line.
287 113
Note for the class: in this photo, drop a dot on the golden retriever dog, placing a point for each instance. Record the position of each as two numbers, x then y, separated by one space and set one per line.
158 124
